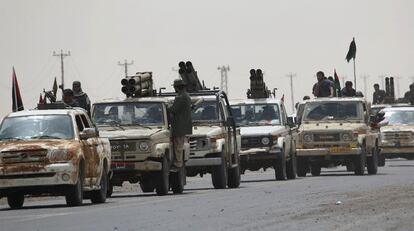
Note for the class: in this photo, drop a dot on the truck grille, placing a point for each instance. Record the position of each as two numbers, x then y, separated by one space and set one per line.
199 143
31 156
398 136
253 142
326 137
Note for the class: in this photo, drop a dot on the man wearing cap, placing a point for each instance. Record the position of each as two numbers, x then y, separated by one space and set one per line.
69 99
81 97
181 123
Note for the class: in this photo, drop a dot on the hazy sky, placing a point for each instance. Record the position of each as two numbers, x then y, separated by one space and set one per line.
279 37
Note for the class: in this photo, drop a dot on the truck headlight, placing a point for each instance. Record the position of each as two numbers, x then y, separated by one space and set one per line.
144 146
346 137
265 141
308 138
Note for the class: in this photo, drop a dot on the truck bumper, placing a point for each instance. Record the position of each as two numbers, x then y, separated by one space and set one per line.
144 166
395 152
259 154
327 152
199 162
52 174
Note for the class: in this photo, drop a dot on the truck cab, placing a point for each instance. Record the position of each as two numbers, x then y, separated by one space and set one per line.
53 152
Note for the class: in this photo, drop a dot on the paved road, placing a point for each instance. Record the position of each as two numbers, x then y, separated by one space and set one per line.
381 202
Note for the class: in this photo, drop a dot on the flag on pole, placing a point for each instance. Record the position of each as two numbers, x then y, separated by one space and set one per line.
55 87
337 84
16 97
352 51
41 100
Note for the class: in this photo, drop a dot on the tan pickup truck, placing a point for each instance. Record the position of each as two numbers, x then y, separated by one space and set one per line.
336 131
56 152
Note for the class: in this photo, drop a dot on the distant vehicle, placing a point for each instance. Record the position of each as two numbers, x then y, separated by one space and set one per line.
337 131
57 152
397 129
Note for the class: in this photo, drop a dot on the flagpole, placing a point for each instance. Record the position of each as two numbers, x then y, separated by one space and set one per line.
355 83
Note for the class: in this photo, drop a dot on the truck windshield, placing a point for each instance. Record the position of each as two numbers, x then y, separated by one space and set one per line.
256 114
128 114
37 127
326 111
399 117
205 111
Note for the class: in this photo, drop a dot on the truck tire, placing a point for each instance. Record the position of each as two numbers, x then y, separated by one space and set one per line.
15 201
233 180
302 167
163 184
74 193
177 180
99 196
372 162
110 189
381 160
219 174
316 169
280 166
146 186
359 162
291 166
350 167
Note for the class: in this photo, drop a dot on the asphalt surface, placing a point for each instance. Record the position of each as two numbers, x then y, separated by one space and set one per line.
336 200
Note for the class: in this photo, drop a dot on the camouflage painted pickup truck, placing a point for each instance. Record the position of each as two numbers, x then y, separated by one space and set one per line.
55 152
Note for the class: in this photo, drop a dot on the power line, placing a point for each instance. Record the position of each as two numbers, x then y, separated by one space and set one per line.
224 78
126 64
292 98
62 55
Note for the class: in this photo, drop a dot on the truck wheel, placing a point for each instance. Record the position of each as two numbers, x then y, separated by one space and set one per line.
15 201
372 162
291 167
359 162
302 167
177 180
146 186
316 169
234 175
74 194
280 166
163 183
350 167
219 174
381 159
110 189
99 196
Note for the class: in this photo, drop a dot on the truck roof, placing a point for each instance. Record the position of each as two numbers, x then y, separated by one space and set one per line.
67 111
406 108
132 100
255 101
336 99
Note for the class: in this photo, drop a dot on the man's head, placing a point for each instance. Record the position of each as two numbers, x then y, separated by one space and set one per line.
330 78
306 97
320 75
348 84
179 85
67 96
76 86
376 87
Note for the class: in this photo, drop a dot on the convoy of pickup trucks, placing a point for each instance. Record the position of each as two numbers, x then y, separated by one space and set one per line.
58 150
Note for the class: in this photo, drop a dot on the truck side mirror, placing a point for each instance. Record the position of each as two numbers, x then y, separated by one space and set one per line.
87 133
290 122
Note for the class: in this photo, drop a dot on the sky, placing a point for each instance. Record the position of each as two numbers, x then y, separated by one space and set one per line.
280 37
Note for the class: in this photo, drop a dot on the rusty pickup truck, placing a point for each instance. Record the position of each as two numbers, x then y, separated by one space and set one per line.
54 152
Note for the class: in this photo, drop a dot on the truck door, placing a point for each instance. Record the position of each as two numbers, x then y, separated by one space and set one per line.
87 147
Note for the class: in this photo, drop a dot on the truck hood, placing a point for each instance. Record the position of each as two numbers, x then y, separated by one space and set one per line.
261 130
397 128
26 145
207 130
128 133
333 126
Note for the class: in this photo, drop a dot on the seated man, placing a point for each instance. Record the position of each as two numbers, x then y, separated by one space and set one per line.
209 113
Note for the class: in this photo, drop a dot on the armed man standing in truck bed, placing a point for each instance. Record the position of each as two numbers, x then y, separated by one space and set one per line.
181 123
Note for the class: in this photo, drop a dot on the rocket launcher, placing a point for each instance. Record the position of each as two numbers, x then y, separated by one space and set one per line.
258 88
189 76
139 85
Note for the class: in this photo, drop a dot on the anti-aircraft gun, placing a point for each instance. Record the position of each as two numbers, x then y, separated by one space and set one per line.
258 88
139 85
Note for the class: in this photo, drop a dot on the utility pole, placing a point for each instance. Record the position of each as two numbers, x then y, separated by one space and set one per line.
292 98
224 77
365 77
62 55
126 64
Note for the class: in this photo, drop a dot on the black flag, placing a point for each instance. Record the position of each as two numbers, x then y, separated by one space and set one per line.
17 103
352 51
